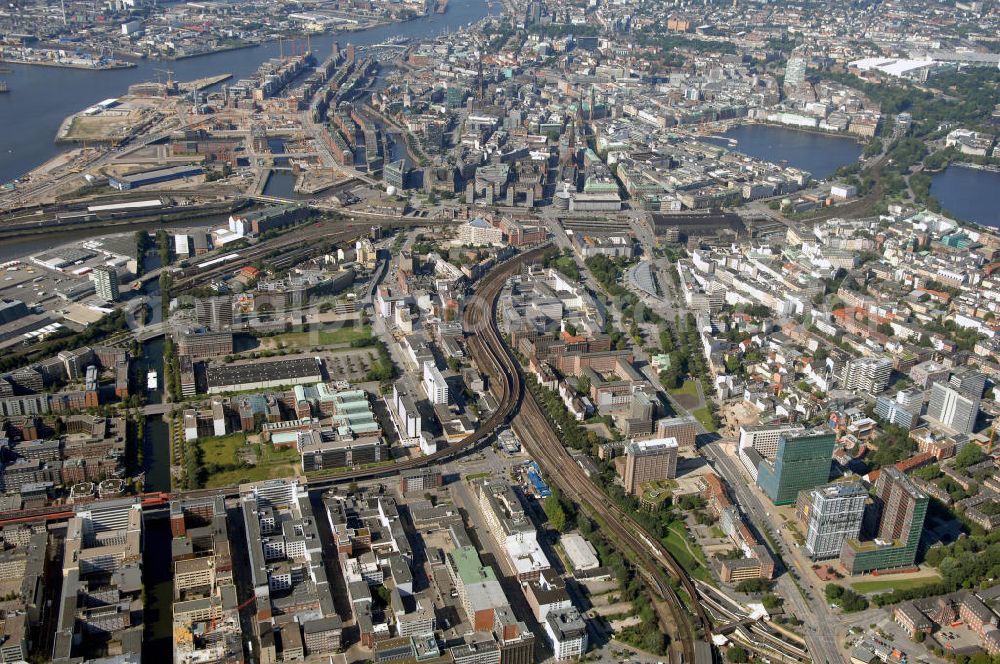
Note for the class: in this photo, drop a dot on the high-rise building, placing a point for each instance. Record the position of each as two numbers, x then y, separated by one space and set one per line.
106 283
394 174
969 381
868 374
795 70
802 462
902 508
903 410
684 429
648 461
215 313
830 515
761 442
435 385
953 408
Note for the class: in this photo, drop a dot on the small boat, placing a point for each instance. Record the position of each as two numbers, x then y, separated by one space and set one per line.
152 380
3 86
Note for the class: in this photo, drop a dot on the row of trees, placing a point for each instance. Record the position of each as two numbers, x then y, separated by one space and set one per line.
966 563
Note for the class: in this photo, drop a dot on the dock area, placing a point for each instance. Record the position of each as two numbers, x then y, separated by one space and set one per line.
55 58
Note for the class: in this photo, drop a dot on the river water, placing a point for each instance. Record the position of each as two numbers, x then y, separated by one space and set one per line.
969 194
40 98
820 154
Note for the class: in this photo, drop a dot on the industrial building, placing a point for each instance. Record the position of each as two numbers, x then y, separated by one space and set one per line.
262 375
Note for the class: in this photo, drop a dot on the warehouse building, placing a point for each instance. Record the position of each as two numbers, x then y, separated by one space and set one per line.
126 182
261 375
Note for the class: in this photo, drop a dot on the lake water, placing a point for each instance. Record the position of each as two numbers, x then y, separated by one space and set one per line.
40 98
969 194
820 154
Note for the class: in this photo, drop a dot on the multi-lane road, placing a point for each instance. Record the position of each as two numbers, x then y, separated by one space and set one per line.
814 612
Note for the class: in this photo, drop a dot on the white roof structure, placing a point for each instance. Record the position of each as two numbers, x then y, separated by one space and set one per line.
891 66
580 552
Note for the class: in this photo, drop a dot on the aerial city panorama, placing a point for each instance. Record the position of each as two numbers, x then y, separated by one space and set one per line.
500 331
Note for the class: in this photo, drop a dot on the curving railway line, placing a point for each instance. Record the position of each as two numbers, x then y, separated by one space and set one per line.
494 358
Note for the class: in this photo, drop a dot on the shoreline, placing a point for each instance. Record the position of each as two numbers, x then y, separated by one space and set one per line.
860 140
191 56
66 65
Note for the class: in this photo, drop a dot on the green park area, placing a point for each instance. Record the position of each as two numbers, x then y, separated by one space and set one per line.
687 554
687 389
350 334
223 464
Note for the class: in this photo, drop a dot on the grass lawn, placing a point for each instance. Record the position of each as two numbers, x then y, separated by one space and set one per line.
271 463
705 417
888 585
688 388
221 450
717 532
688 555
318 337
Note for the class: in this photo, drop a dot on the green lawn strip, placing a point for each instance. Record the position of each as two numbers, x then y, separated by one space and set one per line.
691 558
888 585
320 337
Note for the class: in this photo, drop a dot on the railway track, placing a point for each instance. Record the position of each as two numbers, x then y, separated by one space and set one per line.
296 245
649 556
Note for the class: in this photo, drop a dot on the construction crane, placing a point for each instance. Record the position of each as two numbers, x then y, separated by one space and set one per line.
171 83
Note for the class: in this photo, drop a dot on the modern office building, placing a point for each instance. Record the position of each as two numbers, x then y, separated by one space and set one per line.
801 462
867 374
106 283
648 461
435 385
215 313
100 606
830 515
761 442
515 534
953 408
407 416
901 508
394 174
567 634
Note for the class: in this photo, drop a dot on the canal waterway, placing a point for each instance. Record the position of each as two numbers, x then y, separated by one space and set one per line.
969 194
40 98
820 154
